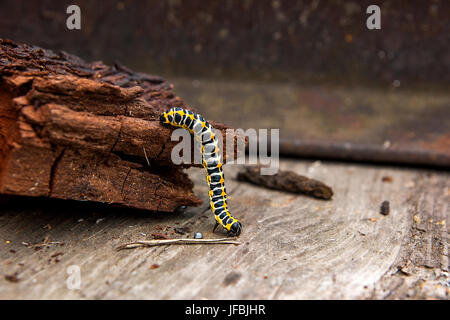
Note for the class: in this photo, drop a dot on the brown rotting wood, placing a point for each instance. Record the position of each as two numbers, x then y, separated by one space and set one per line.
87 131
286 181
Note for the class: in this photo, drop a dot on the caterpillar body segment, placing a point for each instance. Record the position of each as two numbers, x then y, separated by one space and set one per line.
211 160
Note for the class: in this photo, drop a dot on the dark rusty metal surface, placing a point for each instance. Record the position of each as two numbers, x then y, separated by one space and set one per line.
391 125
406 154
264 39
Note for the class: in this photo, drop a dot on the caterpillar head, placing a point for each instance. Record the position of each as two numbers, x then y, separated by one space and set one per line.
235 229
164 118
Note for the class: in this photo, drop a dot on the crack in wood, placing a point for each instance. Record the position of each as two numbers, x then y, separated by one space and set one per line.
162 149
53 169
119 134
123 183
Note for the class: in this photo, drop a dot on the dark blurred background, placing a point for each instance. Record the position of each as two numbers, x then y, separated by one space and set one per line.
283 40
312 68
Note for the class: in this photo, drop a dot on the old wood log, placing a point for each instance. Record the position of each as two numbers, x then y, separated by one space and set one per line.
86 131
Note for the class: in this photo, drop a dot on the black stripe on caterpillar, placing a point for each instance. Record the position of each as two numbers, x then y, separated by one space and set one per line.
211 160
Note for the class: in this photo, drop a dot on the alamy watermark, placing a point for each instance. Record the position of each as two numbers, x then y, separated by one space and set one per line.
373 22
73 21
73 282
259 144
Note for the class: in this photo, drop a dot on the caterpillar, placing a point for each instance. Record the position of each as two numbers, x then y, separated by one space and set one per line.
211 160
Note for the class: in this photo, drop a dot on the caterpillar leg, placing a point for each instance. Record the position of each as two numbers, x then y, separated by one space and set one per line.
212 163
234 231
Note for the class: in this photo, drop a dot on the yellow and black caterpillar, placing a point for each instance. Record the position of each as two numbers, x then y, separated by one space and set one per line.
211 160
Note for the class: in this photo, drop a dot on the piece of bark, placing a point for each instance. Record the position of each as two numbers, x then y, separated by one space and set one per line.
87 131
384 208
286 181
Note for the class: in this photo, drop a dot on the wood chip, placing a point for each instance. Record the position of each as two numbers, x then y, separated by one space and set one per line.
12 277
286 181
159 235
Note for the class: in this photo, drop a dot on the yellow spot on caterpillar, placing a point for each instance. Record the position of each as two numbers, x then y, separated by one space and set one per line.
219 165
221 180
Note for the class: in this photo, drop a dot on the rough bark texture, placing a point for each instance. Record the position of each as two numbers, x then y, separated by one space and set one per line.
86 131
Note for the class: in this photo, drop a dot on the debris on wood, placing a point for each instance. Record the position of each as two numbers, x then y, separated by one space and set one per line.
152 243
182 230
384 208
159 235
12 277
286 181
56 254
83 131
198 235
46 243
154 266
387 179
232 278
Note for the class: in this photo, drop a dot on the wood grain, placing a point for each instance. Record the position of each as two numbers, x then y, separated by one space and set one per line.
294 247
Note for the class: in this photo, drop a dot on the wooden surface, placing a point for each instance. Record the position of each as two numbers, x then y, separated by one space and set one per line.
292 246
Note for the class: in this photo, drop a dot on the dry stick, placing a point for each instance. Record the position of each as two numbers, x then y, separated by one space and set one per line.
145 154
46 243
286 181
151 243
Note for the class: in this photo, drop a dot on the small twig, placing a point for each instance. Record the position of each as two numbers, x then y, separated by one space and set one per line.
151 243
46 243
145 154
